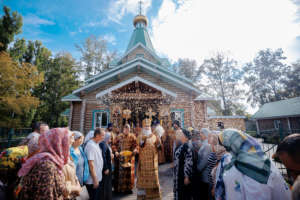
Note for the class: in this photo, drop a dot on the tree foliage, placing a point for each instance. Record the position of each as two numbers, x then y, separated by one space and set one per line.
16 84
31 52
10 25
60 80
221 77
265 77
95 57
188 68
292 81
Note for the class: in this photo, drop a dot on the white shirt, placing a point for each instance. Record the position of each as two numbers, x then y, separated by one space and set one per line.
241 187
93 152
33 134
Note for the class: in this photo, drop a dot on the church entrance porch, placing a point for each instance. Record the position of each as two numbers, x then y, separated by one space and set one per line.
136 101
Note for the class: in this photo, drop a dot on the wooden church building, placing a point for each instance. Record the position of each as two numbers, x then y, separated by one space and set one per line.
137 85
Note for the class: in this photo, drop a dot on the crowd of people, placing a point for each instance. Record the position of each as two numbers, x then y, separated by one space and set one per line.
225 165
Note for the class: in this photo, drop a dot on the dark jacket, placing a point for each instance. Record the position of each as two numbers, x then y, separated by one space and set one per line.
106 156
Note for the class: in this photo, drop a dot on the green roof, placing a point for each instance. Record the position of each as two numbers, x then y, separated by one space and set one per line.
140 35
71 97
283 108
66 112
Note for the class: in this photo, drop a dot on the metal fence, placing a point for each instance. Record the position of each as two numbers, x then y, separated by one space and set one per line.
269 141
10 137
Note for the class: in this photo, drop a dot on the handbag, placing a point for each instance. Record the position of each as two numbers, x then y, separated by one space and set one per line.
84 195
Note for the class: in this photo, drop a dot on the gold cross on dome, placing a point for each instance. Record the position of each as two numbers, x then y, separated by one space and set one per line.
140 7
150 113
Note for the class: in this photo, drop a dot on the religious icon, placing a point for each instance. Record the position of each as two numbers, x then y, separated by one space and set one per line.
126 114
150 113
164 112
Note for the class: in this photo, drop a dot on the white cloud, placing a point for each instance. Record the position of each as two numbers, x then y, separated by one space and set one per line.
93 24
119 8
110 38
36 21
197 29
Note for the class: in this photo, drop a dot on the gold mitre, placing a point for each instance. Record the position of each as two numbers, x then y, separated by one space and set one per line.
147 122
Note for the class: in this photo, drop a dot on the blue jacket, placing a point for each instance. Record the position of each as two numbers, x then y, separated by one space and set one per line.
86 171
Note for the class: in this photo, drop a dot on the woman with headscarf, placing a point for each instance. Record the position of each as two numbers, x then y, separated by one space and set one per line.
42 174
245 172
183 166
202 163
217 151
106 183
79 158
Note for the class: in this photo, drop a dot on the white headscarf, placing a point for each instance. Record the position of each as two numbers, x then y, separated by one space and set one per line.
89 136
205 131
77 134
107 136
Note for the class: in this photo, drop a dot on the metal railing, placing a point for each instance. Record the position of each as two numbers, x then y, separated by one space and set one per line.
270 140
10 137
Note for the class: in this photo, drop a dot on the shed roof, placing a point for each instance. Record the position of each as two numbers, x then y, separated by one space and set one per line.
283 108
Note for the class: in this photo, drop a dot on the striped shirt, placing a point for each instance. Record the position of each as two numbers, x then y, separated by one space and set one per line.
211 163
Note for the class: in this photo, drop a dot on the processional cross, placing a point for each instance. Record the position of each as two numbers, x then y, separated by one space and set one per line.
150 113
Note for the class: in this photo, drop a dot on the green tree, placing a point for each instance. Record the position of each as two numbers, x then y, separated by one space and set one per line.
31 52
95 57
265 77
16 84
292 81
60 79
222 77
10 25
35 53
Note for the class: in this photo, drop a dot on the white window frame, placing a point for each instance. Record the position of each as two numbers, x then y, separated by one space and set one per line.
95 118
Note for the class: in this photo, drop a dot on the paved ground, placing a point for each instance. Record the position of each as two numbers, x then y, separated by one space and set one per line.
166 185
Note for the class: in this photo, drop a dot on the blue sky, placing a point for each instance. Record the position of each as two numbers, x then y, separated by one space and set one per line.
178 28
62 24
195 29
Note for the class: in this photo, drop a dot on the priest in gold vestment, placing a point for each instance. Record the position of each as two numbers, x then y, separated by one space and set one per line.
147 175
124 161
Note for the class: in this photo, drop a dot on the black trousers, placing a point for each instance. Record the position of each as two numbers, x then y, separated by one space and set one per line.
106 187
94 193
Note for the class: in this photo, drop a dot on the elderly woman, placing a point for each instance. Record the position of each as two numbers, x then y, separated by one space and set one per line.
217 152
42 174
245 172
183 167
202 163
79 158
106 189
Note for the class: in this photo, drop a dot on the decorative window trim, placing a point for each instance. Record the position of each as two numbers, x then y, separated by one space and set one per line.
136 78
181 110
94 117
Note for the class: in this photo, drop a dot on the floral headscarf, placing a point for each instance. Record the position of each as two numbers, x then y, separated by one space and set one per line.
54 146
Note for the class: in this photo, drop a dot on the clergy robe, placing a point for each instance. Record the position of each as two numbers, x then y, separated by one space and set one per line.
147 176
124 175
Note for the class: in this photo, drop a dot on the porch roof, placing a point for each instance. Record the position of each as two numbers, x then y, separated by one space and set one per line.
136 78
147 66
71 97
